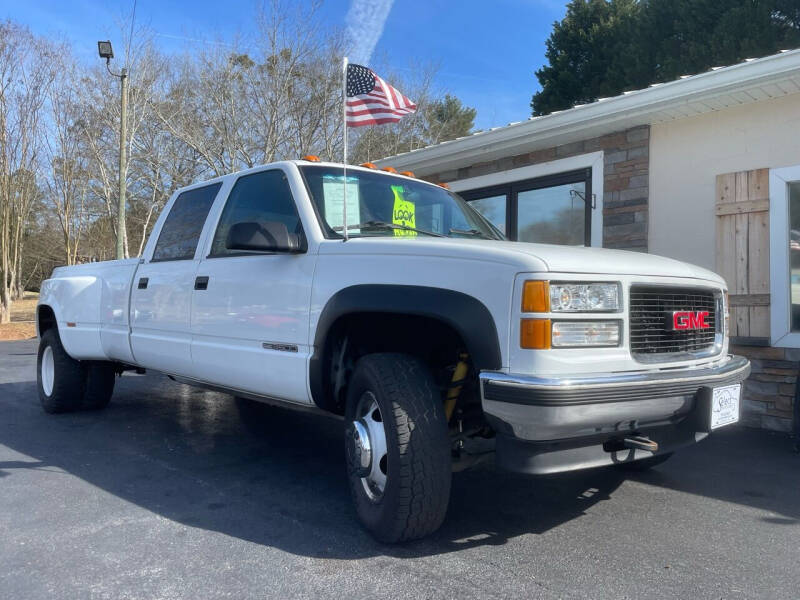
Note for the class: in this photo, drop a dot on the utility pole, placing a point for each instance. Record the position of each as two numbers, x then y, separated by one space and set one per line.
105 51
123 162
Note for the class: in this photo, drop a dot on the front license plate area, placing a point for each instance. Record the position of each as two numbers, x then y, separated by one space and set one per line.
725 405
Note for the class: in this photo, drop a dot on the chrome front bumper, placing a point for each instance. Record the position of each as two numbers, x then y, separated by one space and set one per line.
591 410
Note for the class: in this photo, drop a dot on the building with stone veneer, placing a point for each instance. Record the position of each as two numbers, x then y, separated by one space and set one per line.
705 169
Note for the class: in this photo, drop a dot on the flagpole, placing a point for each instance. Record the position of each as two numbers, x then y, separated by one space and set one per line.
344 150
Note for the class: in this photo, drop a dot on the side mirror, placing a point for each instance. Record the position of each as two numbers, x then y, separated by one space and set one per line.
267 236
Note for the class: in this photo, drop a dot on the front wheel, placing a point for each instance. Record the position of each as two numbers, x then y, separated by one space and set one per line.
398 448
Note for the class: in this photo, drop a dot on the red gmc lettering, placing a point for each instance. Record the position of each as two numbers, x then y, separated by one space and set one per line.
685 320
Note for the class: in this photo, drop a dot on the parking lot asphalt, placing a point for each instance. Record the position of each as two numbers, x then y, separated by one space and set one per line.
174 492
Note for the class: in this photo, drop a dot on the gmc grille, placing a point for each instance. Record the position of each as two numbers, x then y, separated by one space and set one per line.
652 337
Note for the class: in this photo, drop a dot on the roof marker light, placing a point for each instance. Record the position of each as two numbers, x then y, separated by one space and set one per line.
389 169
443 185
311 158
368 165
407 173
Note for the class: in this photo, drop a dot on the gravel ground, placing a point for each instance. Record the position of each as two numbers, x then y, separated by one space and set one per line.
174 492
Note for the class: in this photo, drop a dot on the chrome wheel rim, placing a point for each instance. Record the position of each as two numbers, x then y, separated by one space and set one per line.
369 442
48 370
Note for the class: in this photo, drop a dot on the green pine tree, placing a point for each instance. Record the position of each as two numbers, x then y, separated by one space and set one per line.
604 47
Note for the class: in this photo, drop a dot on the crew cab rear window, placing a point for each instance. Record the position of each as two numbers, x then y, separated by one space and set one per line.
181 231
257 198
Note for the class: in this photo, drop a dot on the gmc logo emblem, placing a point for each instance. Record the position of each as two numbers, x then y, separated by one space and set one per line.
685 320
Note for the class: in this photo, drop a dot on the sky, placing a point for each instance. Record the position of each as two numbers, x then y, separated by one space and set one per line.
486 52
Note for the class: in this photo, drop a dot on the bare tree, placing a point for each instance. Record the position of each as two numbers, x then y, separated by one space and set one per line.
281 99
25 76
67 183
295 94
205 110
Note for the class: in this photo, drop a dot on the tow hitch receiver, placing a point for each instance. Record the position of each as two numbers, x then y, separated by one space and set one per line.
639 442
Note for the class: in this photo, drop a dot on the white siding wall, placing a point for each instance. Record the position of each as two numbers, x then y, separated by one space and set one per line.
688 154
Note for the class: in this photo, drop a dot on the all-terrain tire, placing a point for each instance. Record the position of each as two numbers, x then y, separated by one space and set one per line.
100 379
645 464
63 382
418 467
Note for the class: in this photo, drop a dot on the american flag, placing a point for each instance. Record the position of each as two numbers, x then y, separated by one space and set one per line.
372 101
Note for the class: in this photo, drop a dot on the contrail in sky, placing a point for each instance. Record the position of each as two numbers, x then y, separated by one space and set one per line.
365 21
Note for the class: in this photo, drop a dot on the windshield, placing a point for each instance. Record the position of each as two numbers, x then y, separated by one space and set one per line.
381 205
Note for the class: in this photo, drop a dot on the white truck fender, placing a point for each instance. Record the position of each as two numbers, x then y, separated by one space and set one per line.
75 302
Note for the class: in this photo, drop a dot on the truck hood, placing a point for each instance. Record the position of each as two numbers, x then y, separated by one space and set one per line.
573 259
527 256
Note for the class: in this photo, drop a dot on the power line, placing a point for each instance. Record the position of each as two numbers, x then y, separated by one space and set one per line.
189 39
130 37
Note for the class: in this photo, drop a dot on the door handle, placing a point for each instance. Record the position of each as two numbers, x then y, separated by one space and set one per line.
201 283
143 283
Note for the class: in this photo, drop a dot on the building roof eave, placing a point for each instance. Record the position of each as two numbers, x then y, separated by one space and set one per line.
750 81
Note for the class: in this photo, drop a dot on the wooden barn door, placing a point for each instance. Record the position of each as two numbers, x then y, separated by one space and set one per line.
742 209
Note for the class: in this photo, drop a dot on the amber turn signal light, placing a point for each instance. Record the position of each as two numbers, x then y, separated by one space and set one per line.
536 297
535 334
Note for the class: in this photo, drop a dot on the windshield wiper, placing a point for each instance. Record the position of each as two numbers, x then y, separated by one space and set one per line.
473 232
384 225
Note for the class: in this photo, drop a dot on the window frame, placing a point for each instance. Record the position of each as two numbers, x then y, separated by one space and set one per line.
218 220
219 186
781 334
512 190
592 161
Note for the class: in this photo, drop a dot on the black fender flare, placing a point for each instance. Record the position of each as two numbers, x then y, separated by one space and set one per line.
464 313
45 319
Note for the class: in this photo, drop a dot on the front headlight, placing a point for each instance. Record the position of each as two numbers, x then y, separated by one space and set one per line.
569 334
584 297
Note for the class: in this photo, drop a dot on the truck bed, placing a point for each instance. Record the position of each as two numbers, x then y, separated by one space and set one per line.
91 302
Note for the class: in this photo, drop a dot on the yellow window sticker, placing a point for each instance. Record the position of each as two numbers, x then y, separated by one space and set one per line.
403 213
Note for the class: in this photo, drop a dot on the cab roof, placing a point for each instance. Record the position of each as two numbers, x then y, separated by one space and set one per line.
297 163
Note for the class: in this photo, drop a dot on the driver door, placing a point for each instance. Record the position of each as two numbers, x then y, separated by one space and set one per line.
250 310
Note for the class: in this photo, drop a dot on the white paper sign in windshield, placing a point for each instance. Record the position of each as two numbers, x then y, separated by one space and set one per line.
333 192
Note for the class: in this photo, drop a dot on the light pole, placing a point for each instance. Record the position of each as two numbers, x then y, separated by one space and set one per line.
105 51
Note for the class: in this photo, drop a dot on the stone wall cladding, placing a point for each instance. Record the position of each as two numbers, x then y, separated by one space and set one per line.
626 160
768 394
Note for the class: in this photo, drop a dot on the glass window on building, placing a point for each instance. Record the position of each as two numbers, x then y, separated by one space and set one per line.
494 209
555 209
794 252
553 215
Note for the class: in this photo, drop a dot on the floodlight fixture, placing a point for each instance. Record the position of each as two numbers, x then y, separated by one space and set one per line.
105 51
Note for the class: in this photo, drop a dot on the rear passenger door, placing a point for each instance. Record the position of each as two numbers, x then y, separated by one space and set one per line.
250 321
162 288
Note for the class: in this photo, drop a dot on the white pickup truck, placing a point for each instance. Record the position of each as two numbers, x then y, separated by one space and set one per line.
432 335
